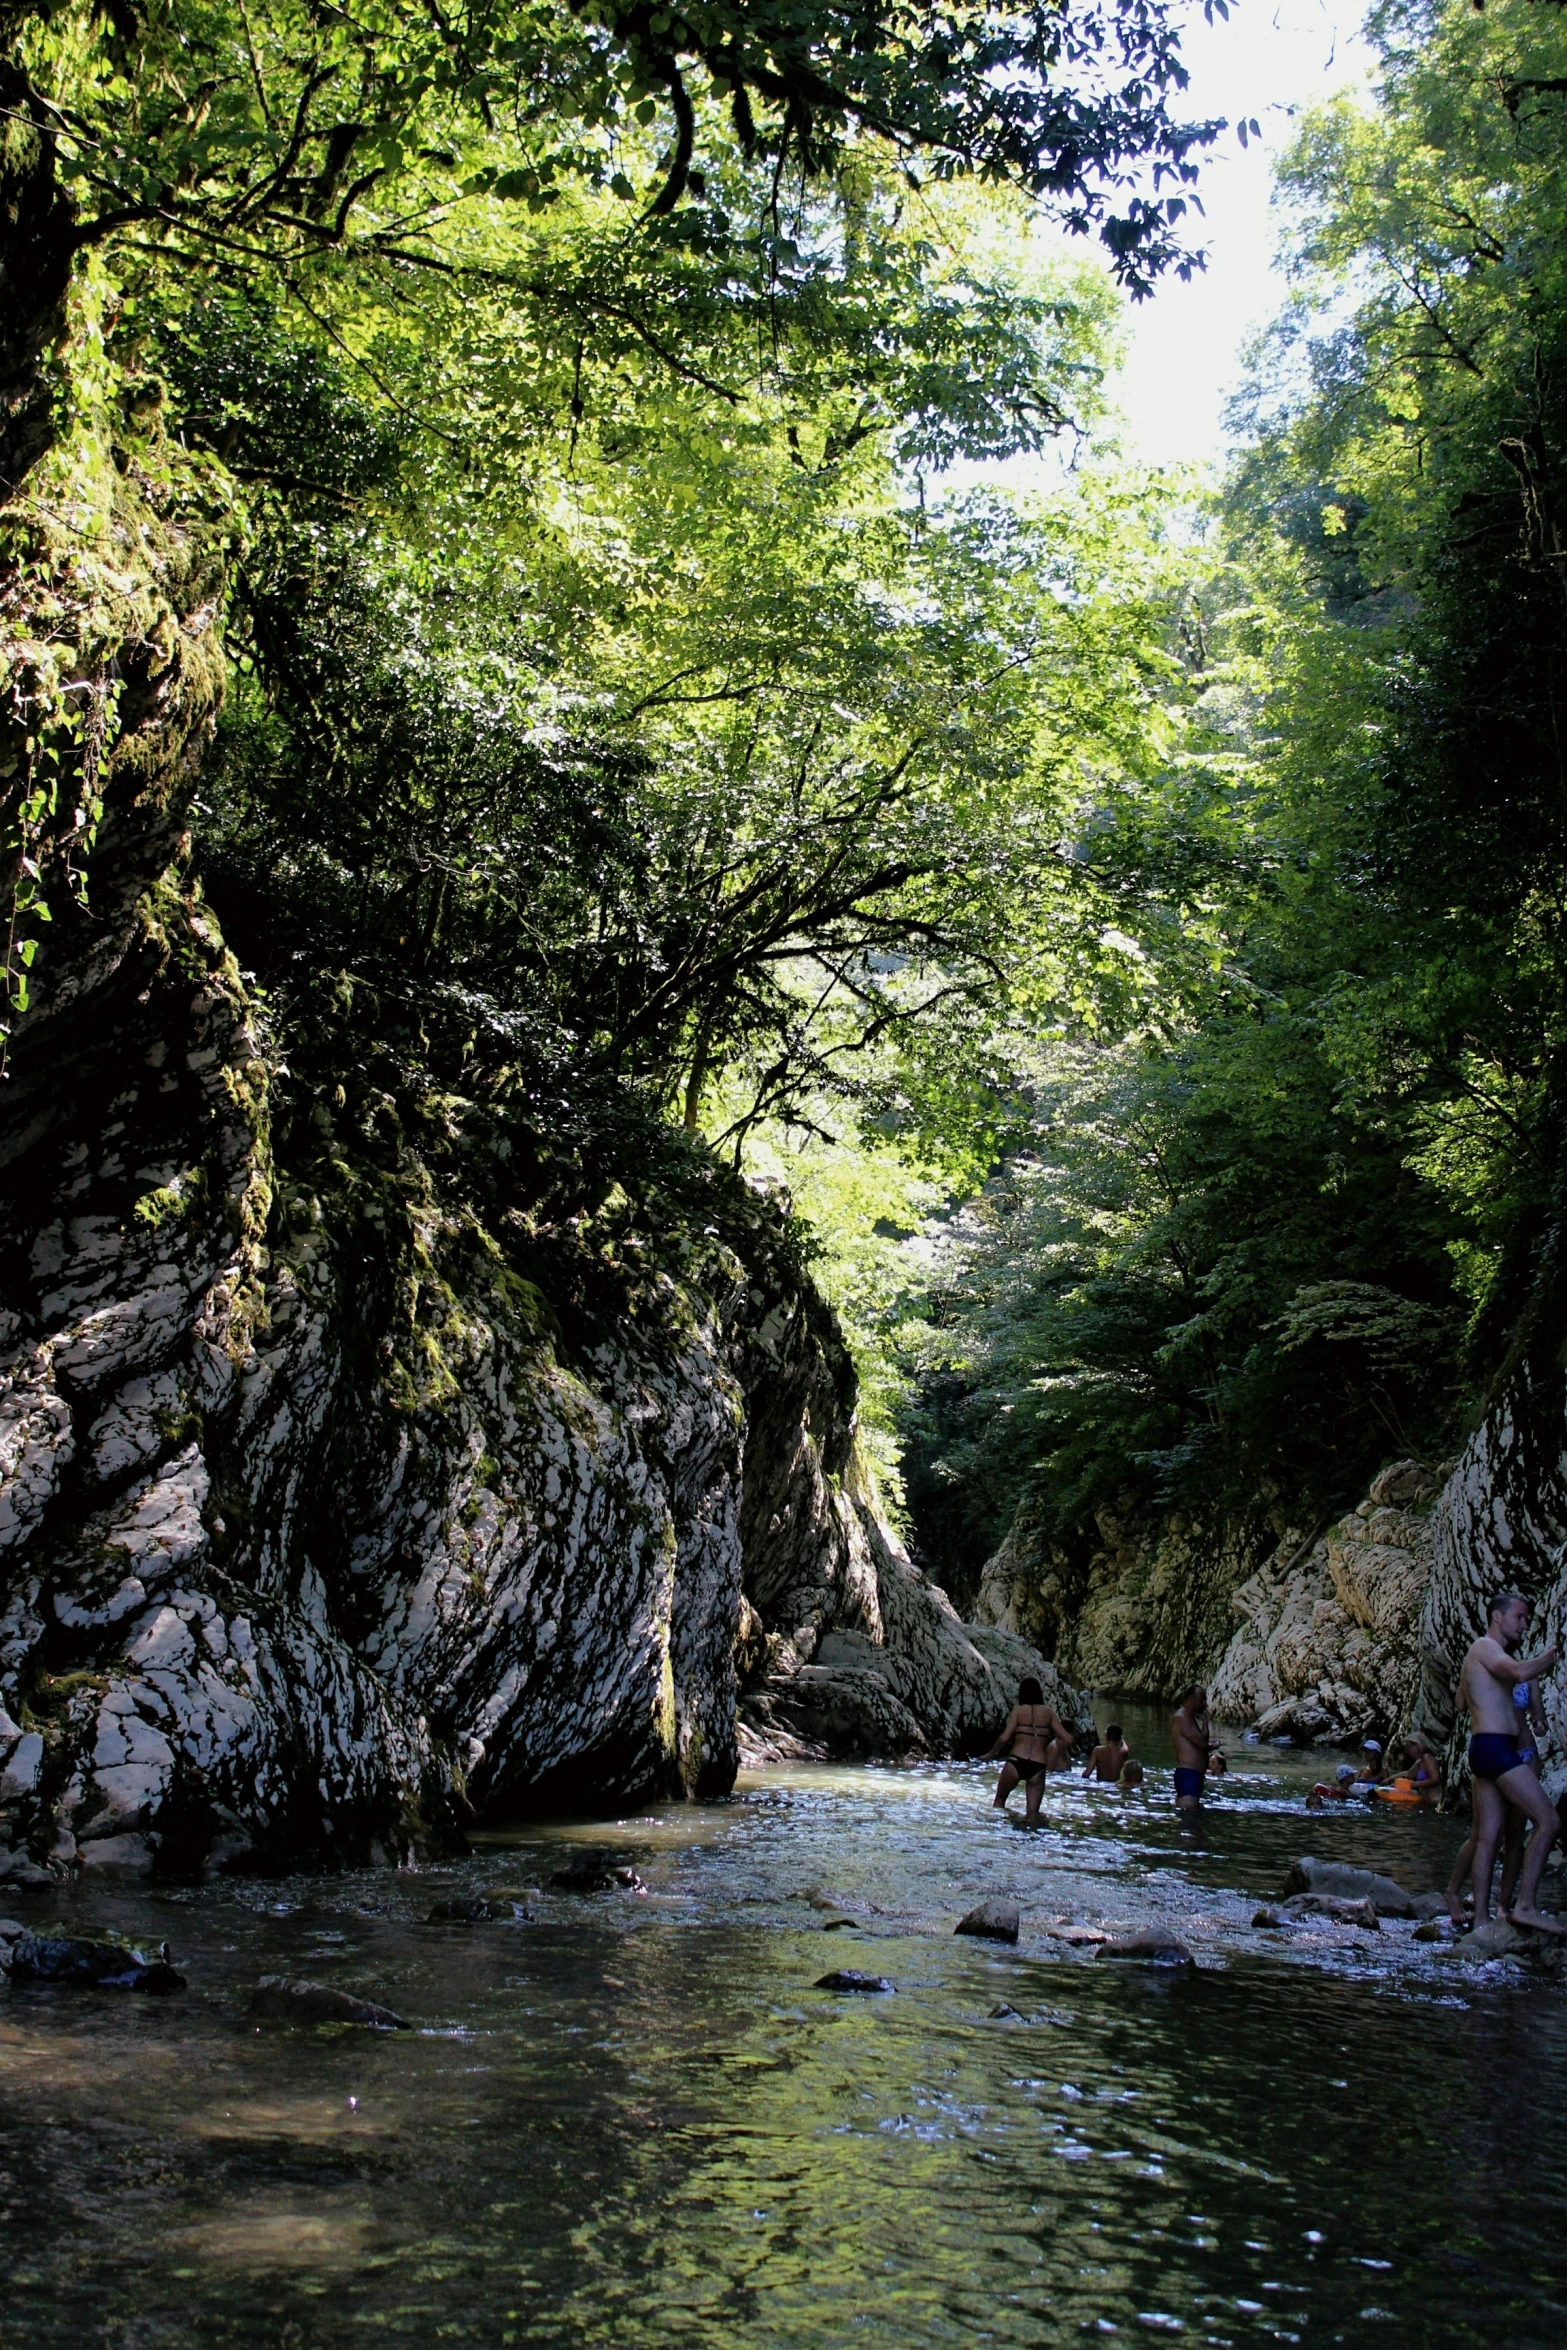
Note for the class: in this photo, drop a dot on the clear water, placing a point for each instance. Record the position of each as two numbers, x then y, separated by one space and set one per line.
631 2118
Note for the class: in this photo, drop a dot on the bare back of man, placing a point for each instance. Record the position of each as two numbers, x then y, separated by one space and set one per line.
1189 1733
1502 1779
1104 1764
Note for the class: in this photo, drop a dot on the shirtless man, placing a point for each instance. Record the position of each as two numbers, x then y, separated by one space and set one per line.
1039 1741
1491 1672
1189 1730
1104 1764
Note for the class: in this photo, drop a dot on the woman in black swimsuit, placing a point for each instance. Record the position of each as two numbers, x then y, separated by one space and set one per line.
1038 1738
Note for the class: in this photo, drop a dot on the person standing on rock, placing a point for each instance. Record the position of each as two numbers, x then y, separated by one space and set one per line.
1190 1732
1492 1670
1038 1738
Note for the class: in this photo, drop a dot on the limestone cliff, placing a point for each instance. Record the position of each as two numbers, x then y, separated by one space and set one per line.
1142 1608
393 1430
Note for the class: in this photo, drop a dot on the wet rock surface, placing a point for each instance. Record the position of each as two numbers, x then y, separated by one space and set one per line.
1147 1946
295 2000
96 1962
850 1978
1343 1881
991 1921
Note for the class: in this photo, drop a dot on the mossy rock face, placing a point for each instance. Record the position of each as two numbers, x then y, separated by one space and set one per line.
395 1438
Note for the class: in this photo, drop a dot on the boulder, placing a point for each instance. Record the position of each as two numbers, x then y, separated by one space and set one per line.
1147 1946
993 1921
1430 1905
295 2001
471 1909
91 1962
1339 1879
1002 2013
848 1978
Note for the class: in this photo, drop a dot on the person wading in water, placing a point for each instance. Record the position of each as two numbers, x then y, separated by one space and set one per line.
1189 1730
1492 1671
1038 1738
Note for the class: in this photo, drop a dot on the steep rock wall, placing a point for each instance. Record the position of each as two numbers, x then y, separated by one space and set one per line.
392 1433
1330 1646
1140 1609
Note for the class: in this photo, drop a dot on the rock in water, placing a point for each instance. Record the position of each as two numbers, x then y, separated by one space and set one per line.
1495 1939
848 1978
1329 1905
993 1921
470 1909
295 2001
95 1962
591 1876
1390 1900
1148 1946
1002 2013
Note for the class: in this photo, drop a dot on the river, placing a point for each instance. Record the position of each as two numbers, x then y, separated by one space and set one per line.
630 2117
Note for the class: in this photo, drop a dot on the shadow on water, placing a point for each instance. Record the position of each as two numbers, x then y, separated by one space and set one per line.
631 2118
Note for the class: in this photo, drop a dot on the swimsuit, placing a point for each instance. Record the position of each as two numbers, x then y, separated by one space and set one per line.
1521 1697
1187 1781
1492 1754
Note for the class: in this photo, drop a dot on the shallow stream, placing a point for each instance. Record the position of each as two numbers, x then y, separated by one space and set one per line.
631 2118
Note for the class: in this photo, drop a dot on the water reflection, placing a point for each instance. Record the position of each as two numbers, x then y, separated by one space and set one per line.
632 2118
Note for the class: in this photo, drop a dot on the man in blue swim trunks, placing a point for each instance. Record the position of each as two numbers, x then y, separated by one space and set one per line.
1189 1731
1492 1669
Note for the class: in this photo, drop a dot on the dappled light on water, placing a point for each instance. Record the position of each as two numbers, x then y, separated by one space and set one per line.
632 2117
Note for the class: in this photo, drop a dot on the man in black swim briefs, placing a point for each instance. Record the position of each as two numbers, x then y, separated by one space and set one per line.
1491 1670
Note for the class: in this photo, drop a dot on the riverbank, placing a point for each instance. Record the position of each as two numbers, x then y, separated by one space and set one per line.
633 2113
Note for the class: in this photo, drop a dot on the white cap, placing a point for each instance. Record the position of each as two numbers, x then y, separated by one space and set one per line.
1370 1746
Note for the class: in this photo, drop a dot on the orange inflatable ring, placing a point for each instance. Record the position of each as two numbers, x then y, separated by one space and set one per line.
1401 1791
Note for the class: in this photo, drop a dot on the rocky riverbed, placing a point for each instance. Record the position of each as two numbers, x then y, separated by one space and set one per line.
623 2102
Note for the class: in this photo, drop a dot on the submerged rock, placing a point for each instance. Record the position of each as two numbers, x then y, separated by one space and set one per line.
1148 1946
591 1876
1496 1938
1337 1878
849 1978
994 1921
470 1909
296 2001
91 1962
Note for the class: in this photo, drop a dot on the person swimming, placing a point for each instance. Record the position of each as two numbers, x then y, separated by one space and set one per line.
1131 1772
1104 1764
1038 1739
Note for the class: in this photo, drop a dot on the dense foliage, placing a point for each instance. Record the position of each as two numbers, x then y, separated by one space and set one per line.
1298 1219
596 663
